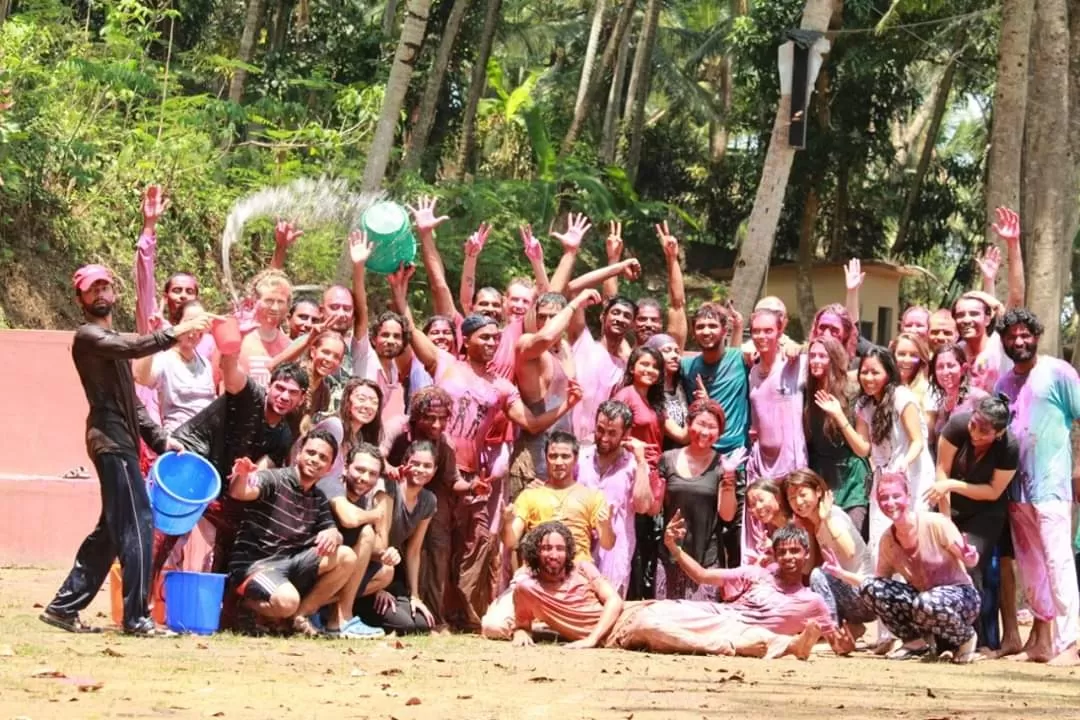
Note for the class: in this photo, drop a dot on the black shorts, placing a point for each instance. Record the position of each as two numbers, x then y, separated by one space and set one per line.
264 577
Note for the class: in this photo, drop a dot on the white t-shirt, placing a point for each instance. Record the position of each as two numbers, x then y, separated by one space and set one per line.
183 389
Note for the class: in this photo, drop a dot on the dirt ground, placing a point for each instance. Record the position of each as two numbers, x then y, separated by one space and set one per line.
50 674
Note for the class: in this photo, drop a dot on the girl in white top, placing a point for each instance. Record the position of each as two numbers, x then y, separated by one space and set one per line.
183 379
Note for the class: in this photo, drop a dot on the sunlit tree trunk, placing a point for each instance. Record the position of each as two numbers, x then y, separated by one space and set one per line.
804 286
638 93
755 251
591 49
613 111
429 103
1004 161
248 39
477 82
1051 165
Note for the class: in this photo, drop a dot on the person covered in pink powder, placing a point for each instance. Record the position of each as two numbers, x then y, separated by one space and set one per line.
1044 393
478 397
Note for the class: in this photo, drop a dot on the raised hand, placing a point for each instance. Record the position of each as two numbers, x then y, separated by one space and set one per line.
736 316
668 242
825 506
576 227
853 274
574 393
476 241
701 393
424 214
244 468
675 531
614 242
154 205
632 271
828 404
359 247
533 249
1007 226
285 233
399 281
588 298
990 262
636 446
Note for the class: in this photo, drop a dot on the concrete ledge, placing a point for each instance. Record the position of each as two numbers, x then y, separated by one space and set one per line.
43 519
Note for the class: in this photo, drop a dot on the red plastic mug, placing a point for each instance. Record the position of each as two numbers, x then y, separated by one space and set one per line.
226 332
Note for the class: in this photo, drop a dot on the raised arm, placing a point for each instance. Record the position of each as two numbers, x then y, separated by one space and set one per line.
285 234
473 246
673 535
677 324
94 340
245 480
989 263
425 350
532 345
534 251
359 252
577 226
147 312
613 244
1007 228
426 223
232 375
853 280
630 267
533 424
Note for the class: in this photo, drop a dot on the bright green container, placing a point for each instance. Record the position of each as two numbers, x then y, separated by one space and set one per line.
390 233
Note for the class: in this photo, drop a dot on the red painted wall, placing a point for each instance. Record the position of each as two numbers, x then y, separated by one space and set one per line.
42 429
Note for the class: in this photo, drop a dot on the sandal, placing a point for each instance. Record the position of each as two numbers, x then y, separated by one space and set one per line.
906 653
71 623
148 628
303 626
76 473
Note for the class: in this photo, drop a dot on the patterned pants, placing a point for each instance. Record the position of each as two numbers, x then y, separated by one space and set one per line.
845 603
947 612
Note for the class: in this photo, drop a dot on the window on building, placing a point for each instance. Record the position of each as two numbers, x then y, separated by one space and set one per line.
884 326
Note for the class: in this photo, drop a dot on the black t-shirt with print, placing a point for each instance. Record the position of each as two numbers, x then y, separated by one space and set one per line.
1004 454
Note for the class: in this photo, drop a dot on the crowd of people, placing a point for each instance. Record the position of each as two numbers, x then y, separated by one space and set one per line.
499 468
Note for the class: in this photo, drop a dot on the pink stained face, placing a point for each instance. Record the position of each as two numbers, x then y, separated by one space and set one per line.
326 357
916 321
948 371
483 343
518 300
893 498
553 554
272 305
338 304
817 359
763 505
609 434
704 430
190 340
490 303
765 332
829 325
182 288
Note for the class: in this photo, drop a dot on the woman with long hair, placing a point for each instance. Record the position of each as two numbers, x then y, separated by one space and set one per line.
322 360
643 393
675 402
829 455
951 390
767 511
812 505
698 488
912 356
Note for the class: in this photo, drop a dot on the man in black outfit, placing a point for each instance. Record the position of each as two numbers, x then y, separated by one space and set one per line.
116 422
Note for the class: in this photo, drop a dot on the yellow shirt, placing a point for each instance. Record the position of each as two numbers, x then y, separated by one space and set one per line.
577 507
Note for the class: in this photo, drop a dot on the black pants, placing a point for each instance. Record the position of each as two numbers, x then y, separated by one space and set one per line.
649 536
125 529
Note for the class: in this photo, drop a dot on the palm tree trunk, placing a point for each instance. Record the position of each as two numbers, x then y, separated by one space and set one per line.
414 154
638 93
248 39
804 287
1048 122
590 52
477 81
941 104
581 112
1004 169
389 16
755 251
609 138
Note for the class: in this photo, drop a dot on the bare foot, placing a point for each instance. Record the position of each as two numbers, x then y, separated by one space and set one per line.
1009 646
1070 657
1035 654
801 645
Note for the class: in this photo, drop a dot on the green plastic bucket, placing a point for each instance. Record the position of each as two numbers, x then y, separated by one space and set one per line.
390 233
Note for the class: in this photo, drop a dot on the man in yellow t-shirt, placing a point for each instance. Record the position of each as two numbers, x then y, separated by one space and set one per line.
584 511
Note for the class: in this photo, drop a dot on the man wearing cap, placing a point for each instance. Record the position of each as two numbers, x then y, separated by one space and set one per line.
115 423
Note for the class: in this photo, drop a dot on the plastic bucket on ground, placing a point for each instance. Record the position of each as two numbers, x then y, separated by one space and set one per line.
227 337
182 485
193 601
389 230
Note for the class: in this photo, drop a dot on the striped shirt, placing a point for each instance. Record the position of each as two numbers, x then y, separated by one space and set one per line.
282 522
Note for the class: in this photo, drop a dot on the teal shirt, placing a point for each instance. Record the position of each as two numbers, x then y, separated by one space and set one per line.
728 383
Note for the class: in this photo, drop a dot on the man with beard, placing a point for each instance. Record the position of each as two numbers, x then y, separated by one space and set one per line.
721 375
114 425
375 350
544 371
289 559
1044 393
478 396
942 329
584 512
975 313
429 413
616 466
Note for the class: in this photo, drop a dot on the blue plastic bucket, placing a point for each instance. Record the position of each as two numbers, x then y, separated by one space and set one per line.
388 229
193 601
182 485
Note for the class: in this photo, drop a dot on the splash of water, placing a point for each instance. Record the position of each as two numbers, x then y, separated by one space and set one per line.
307 202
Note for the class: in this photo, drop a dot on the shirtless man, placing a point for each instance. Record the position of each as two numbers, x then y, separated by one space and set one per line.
273 293
544 368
